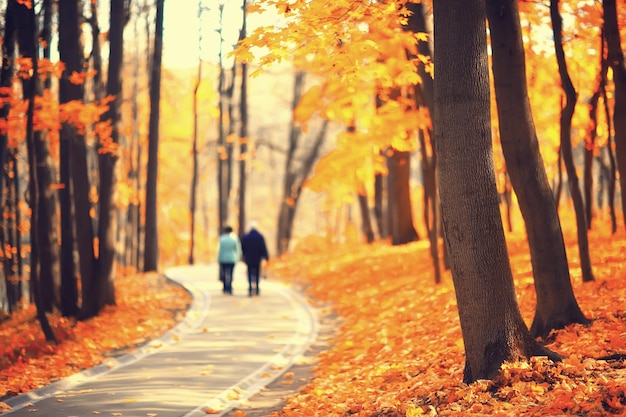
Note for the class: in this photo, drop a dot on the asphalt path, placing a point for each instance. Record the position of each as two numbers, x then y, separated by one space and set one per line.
226 350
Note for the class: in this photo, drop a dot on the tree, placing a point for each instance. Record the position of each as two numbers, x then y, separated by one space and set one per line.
29 42
423 93
47 224
492 326
74 196
11 264
151 237
615 59
243 128
194 152
296 173
399 208
566 142
556 304
100 291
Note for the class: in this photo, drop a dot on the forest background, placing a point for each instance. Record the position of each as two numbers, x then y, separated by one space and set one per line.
215 119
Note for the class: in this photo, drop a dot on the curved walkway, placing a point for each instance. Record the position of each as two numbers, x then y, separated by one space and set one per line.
225 350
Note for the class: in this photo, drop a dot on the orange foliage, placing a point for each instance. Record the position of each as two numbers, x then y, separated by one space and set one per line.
147 307
399 350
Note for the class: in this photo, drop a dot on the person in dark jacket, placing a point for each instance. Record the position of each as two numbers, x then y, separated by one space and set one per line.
254 251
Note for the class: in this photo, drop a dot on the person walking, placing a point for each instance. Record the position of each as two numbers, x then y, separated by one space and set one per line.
254 251
228 254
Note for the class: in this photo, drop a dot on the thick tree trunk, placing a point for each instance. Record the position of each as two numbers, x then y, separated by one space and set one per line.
566 143
556 305
492 326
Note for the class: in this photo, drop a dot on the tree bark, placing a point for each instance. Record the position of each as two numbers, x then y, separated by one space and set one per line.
75 216
424 98
399 206
243 131
566 143
151 237
556 305
615 59
492 326
29 46
47 224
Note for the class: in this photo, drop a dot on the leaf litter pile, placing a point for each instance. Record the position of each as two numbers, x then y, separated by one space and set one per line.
398 350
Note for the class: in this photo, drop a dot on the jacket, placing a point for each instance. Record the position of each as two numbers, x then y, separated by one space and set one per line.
254 248
229 250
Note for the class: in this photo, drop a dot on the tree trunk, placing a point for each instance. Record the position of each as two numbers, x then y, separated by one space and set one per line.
7 162
47 224
194 170
379 203
556 305
75 218
492 326
290 189
243 131
424 98
399 198
615 59
102 285
566 143
294 182
612 164
29 46
221 139
151 246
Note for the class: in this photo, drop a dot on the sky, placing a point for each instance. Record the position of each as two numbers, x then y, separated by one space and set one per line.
182 29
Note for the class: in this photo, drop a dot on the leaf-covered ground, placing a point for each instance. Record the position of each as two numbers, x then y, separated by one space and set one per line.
147 306
399 350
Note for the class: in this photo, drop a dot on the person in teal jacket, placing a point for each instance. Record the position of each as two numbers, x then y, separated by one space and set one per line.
228 254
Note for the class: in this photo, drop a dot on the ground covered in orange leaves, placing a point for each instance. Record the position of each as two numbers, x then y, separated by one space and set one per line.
147 306
399 350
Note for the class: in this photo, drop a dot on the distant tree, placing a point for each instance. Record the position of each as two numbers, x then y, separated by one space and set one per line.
615 59
296 172
194 152
556 305
243 128
423 94
151 236
566 142
399 206
492 326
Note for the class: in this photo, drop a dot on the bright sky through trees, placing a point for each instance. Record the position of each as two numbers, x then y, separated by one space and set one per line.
182 30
